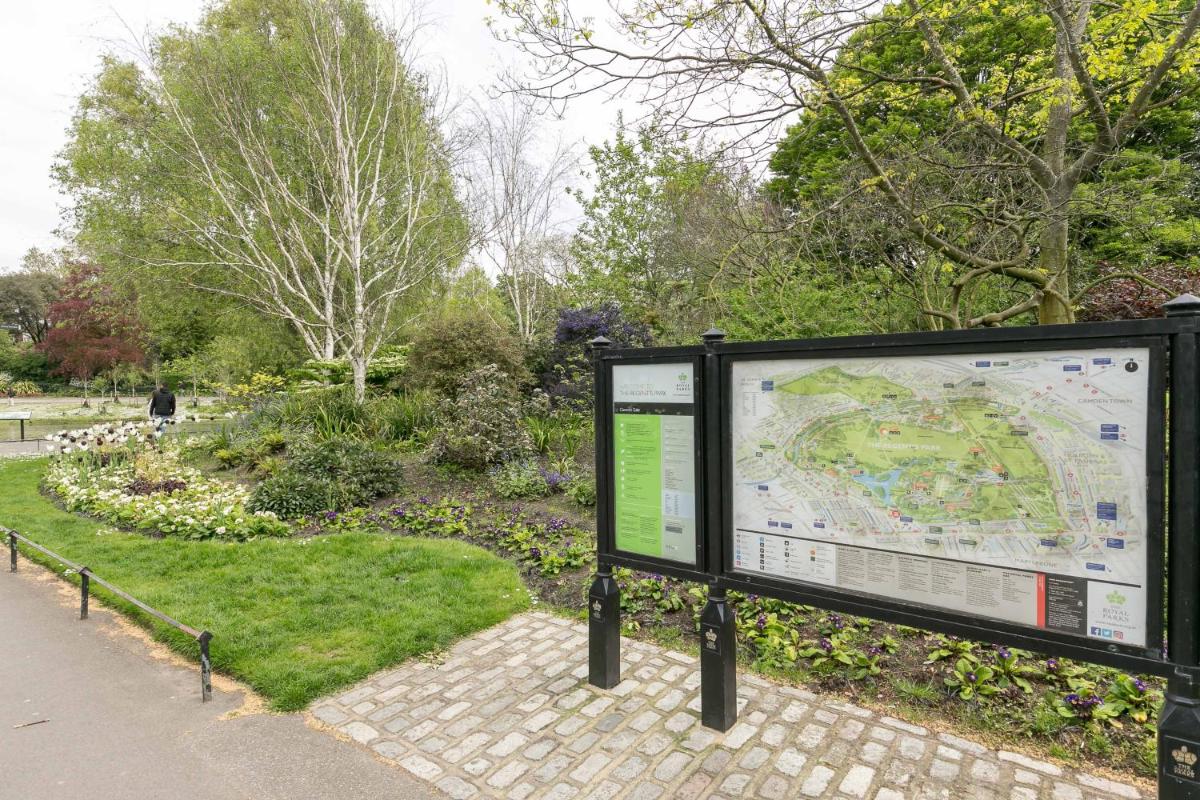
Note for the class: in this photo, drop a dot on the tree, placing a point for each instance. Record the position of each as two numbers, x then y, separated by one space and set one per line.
627 244
91 331
1066 90
285 154
523 180
25 295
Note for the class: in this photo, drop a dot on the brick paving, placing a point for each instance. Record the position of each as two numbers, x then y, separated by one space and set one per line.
509 714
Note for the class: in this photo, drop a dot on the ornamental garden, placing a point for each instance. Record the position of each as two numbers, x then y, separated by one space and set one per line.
326 538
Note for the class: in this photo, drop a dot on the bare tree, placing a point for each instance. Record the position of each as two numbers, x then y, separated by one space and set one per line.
327 188
1051 115
523 181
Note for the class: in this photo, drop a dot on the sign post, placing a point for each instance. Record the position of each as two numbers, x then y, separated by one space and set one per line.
1179 718
604 597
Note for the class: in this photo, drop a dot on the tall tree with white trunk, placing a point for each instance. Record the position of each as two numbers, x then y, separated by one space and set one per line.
523 181
300 167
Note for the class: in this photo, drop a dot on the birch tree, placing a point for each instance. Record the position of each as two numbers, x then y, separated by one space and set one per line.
1066 90
300 167
523 181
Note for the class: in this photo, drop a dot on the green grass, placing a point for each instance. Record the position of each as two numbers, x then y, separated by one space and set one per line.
296 618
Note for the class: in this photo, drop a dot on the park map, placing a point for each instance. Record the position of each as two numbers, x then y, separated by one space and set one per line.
1032 461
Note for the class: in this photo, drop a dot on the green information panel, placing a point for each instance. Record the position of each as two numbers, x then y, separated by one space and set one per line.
654 460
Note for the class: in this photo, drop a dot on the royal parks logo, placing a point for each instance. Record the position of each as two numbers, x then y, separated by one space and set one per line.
1115 597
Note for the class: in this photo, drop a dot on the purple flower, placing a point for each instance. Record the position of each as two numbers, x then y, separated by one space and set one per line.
971 677
1139 684
331 515
825 645
762 621
875 650
535 552
1052 665
423 500
1003 653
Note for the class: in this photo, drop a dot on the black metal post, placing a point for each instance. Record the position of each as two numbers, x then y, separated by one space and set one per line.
12 552
22 430
1179 719
83 593
714 523
205 667
718 662
1179 738
604 630
604 597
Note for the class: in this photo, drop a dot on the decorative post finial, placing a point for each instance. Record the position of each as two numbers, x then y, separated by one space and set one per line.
1185 305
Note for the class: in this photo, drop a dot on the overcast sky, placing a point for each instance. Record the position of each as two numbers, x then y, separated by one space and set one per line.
49 50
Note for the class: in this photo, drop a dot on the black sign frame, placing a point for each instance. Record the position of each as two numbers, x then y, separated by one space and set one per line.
1147 659
605 456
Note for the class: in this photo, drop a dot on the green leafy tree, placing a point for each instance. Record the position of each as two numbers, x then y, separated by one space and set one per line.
627 247
286 154
26 295
1031 115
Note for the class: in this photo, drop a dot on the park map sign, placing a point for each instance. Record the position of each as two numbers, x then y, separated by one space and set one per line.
1010 486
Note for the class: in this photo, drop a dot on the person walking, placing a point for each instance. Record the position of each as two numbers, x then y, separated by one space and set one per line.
162 407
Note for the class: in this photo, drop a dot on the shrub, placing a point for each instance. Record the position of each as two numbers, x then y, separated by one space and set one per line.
582 491
407 416
360 472
519 480
450 348
24 389
482 425
290 495
567 373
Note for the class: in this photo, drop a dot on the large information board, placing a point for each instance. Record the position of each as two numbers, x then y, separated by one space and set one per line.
1010 486
654 460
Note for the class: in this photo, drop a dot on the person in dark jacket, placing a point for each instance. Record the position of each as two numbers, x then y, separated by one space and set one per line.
162 406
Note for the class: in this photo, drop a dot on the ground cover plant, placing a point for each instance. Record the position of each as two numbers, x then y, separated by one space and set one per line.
294 618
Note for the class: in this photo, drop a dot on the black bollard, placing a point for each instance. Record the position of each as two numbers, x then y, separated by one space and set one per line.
718 663
604 630
1179 738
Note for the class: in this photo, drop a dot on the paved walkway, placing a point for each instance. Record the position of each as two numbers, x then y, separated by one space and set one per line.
123 725
509 714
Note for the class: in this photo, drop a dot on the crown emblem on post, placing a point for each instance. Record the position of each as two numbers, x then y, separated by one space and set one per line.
597 606
711 635
1184 756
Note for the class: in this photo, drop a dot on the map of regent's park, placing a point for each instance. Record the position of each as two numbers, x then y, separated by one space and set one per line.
1034 461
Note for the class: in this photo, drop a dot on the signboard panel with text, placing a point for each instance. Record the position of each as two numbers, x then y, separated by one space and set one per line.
1007 485
653 477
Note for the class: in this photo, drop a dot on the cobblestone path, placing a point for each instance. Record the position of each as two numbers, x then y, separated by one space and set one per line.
509 714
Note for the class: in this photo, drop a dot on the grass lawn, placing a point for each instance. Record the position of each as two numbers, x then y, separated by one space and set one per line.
294 618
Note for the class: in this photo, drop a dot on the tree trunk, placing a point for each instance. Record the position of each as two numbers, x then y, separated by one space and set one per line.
1054 308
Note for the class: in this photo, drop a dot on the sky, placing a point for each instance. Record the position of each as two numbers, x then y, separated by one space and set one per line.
50 49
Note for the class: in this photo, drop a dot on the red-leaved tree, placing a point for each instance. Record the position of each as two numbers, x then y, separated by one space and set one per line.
93 331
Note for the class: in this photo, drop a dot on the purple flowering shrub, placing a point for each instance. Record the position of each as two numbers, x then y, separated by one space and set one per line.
566 376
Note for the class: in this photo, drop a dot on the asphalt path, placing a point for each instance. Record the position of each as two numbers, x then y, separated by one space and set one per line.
121 724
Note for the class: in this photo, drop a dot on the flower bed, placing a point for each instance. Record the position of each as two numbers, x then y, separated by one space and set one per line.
121 475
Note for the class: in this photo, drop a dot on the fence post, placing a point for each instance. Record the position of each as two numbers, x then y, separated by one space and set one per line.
12 551
205 667
83 592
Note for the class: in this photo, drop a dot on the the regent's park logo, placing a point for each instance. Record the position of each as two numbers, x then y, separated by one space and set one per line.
1115 597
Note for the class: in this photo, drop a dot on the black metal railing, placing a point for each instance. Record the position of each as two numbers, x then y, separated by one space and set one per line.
87 577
